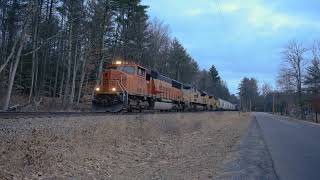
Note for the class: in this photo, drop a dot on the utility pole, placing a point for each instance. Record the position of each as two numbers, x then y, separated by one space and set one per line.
250 105
273 104
240 106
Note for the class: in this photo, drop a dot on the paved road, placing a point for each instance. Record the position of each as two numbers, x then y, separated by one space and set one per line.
294 146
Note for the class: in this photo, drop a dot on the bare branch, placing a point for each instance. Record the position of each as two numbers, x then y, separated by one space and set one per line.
39 47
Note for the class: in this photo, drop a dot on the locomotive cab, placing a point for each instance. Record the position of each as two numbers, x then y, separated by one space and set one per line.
119 77
120 80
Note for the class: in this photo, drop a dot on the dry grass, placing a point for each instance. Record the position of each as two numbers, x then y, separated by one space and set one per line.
46 104
163 146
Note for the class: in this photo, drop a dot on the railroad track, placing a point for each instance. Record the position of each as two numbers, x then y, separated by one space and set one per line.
20 115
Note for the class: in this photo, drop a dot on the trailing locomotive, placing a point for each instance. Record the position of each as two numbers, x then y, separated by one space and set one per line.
129 86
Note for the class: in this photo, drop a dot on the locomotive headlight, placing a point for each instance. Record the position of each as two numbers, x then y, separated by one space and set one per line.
97 89
118 62
113 89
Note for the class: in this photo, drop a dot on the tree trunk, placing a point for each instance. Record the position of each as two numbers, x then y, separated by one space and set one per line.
60 60
34 45
100 68
3 33
44 72
74 75
56 80
62 83
36 74
300 100
86 84
83 73
13 74
67 89
10 56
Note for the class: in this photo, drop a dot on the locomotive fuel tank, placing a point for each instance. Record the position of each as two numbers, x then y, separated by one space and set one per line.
163 106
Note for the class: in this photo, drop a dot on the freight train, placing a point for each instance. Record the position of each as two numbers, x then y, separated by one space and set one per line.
128 86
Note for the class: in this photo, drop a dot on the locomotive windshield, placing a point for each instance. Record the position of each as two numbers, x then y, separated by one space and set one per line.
126 69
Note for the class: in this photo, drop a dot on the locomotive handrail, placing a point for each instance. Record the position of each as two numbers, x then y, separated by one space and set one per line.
121 85
125 94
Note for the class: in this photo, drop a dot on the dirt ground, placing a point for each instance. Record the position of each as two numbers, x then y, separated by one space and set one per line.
158 146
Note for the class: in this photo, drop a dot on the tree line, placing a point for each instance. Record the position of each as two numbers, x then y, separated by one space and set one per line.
59 49
298 83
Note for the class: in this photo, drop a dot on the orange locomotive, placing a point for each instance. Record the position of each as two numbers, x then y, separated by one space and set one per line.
128 86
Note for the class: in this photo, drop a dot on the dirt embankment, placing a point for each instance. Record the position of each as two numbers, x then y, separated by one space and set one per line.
161 146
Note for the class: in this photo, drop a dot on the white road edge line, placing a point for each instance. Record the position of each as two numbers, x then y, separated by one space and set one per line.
293 119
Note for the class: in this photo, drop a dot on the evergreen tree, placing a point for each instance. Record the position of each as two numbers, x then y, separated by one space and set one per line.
248 92
132 30
312 79
178 61
214 75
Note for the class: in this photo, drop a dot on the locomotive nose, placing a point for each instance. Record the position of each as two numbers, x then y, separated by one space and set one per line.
114 81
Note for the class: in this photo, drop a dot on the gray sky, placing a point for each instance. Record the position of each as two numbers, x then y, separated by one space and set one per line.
241 37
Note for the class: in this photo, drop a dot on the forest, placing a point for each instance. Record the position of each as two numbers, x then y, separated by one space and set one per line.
54 51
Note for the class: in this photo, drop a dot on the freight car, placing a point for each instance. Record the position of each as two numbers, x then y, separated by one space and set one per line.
129 86
225 105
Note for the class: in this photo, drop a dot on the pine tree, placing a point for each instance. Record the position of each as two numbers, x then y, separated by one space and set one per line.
180 65
312 79
214 75
248 92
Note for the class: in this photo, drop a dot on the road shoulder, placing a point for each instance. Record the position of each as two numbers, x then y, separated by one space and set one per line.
250 159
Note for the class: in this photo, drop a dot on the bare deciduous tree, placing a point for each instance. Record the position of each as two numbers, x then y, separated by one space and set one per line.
293 66
13 72
266 89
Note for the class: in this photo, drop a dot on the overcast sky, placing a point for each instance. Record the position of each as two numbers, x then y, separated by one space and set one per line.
241 37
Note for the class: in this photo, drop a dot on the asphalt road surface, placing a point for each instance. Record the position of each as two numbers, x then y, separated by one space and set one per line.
294 146
275 148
